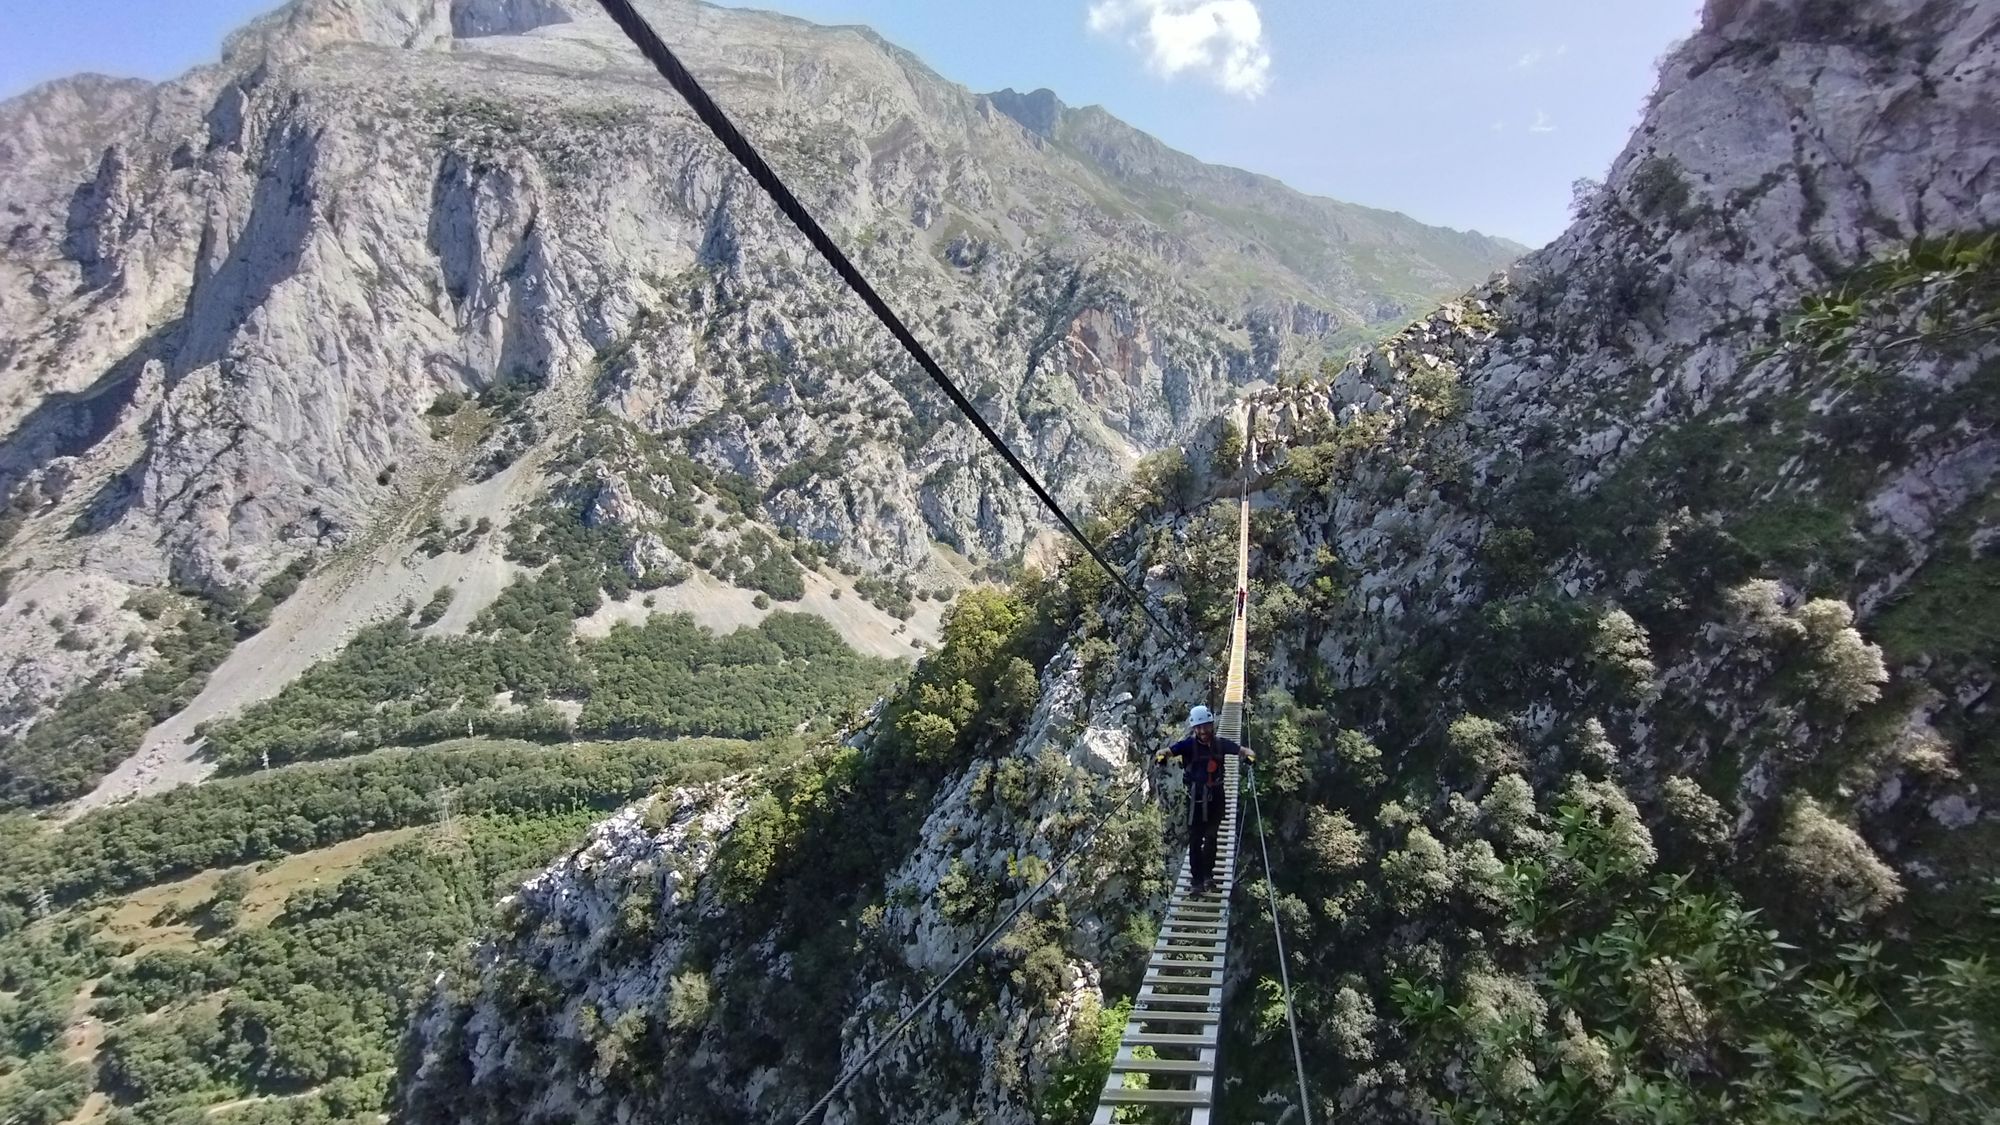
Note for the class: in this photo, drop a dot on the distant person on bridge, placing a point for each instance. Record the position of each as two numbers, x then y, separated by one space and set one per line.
1201 767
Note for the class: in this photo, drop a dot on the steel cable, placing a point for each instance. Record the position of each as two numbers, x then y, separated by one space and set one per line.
1284 971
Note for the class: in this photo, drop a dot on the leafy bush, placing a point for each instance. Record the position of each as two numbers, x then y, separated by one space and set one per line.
689 1000
1594 748
1817 640
1509 806
1609 837
1070 1095
1846 671
1416 875
1480 747
1694 815
1621 649
1832 865
892 598
434 610
1659 190
745 864
774 571
1333 842
1360 759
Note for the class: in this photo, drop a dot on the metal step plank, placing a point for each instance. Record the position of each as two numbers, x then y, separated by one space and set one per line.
1211 993
1162 1066
1208 1015
1191 978
1214 962
1168 1039
1120 1095
1196 959
1203 981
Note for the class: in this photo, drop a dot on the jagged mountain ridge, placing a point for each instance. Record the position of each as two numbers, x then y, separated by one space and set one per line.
1616 562
222 333
1325 243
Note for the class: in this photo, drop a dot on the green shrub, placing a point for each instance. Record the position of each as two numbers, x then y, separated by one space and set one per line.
1480 748
1659 190
1360 759
1417 875
1693 814
434 610
1831 866
1333 842
1509 807
1070 1096
689 1000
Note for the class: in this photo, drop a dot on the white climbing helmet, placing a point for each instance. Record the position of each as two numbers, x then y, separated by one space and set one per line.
1200 716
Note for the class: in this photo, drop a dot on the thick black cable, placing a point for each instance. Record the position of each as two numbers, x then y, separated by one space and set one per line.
1284 972
650 45
896 1032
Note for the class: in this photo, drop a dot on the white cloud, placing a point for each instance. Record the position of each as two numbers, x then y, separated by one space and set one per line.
1542 123
1220 40
1499 126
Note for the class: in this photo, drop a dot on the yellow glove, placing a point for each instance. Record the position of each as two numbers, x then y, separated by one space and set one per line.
1160 759
1250 756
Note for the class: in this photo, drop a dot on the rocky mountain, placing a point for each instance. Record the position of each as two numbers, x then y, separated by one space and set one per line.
1624 649
295 307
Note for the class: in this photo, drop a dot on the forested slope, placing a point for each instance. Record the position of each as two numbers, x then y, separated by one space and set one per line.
250 950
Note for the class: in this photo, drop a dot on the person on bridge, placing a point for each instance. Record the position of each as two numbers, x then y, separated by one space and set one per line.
1201 754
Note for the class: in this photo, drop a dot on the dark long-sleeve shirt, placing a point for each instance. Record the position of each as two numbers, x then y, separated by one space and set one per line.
1202 765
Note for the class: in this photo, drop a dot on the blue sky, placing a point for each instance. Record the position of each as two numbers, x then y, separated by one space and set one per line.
1470 113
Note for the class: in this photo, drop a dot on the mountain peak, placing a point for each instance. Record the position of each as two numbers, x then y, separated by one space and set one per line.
1039 111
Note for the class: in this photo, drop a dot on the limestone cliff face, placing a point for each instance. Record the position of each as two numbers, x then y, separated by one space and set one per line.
1637 413
1614 503
226 302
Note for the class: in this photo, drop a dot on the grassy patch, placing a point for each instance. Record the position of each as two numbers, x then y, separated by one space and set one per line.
134 918
1797 533
1949 610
